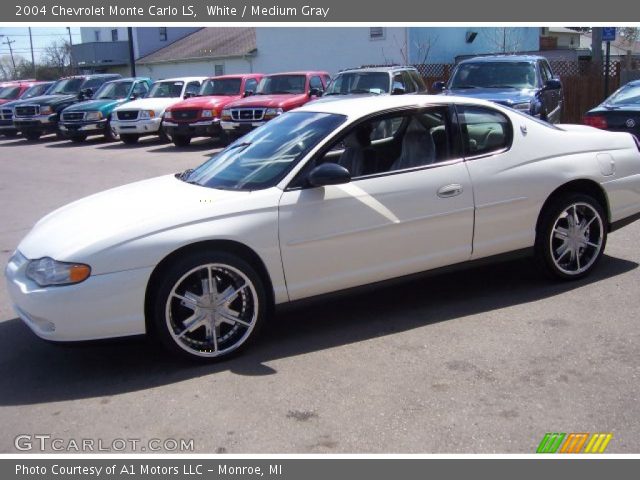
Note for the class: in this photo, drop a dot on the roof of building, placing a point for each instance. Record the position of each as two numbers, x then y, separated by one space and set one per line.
206 43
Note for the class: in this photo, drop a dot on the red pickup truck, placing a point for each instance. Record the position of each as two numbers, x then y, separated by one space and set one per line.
199 116
276 93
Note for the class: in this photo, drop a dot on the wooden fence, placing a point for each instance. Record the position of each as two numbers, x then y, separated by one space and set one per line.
583 83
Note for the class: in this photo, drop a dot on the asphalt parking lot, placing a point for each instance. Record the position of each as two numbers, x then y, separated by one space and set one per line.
482 361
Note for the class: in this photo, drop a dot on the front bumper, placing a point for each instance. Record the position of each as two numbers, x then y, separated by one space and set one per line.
202 128
7 125
137 127
103 306
83 127
36 122
240 128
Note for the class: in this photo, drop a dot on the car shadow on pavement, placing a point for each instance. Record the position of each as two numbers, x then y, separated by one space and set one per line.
89 142
33 371
144 142
192 147
21 141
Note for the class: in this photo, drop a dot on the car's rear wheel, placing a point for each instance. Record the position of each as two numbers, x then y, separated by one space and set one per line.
129 138
572 236
32 135
181 140
208 305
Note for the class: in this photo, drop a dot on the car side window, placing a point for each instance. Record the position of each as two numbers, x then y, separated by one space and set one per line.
399 82
141 89
394 142
547 69
316 82
250 85
193 88
484 130
418 81
410 87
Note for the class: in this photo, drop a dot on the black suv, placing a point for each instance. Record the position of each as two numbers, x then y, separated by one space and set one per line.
391 80
40 115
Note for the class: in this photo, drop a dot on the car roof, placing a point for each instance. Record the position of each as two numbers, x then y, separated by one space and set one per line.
302 72
384 68
362 106
236 75
129 79
503 58
181 79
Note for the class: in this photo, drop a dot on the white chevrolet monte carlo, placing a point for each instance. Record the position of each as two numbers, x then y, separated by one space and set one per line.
143 117
326 197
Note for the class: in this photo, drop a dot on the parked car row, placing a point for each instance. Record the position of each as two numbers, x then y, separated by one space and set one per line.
227 107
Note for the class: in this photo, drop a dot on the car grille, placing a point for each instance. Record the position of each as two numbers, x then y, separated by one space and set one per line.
73 116
247 114
127 114
27 110
6 114
185 114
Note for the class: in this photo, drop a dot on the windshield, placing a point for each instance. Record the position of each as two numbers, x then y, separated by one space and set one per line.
282 84
68 86
494 75
359 82
114 90
166 90
627 95
263 157
226 86
36 90
8 93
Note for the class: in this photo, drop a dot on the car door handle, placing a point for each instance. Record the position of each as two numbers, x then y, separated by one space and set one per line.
450 190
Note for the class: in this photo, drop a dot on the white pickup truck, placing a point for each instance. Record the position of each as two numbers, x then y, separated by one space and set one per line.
144 117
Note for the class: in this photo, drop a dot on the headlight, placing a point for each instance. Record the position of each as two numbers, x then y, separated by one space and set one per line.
524 107
272 112
225 114
47 271
167 114
46 110
93 116
208 113
147 114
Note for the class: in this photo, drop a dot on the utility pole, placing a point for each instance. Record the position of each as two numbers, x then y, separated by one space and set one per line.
13 62
596 45
70 49
132 57
33 61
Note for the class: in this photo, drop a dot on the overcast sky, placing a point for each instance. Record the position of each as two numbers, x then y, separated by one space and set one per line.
42 36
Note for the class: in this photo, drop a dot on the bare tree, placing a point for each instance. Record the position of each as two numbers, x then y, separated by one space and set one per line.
421 49
504 39
58 56
629 35
6 68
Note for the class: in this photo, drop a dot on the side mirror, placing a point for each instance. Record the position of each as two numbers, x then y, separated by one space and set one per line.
247 93
438 86
133 96
398 89
553 84
315 92
328 174
88 92
188 95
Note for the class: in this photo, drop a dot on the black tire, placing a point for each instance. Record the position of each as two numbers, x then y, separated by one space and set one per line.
181 140
32 135
164 136
129 138
109 134
565 252
188 276
61 136
78 137
10 133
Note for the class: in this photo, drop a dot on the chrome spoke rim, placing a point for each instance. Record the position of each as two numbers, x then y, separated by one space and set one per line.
211 310
576 238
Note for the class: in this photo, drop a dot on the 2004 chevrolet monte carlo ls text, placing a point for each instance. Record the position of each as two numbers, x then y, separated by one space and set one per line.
330 196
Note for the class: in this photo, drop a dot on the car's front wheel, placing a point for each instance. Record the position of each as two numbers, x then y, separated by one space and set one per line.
572 236
181 140
129 138
207 306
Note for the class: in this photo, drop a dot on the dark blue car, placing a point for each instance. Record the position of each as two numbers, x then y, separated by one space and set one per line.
620 112
523 82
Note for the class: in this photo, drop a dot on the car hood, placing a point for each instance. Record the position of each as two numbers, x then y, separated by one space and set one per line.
113 217
284 101
5 100
92 105
205 102
509 96
50 100
151 103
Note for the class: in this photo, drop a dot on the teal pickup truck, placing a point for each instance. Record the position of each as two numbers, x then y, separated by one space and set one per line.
93 117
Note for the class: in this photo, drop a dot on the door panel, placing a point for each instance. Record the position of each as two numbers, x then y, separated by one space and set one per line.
375 228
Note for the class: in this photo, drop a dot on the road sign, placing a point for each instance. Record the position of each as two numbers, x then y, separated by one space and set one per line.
608 34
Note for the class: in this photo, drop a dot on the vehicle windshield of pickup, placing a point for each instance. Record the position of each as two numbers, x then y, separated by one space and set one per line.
282 84
9 93
518 75
36 91
359 82
113 91
67 86
166 90
221 86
